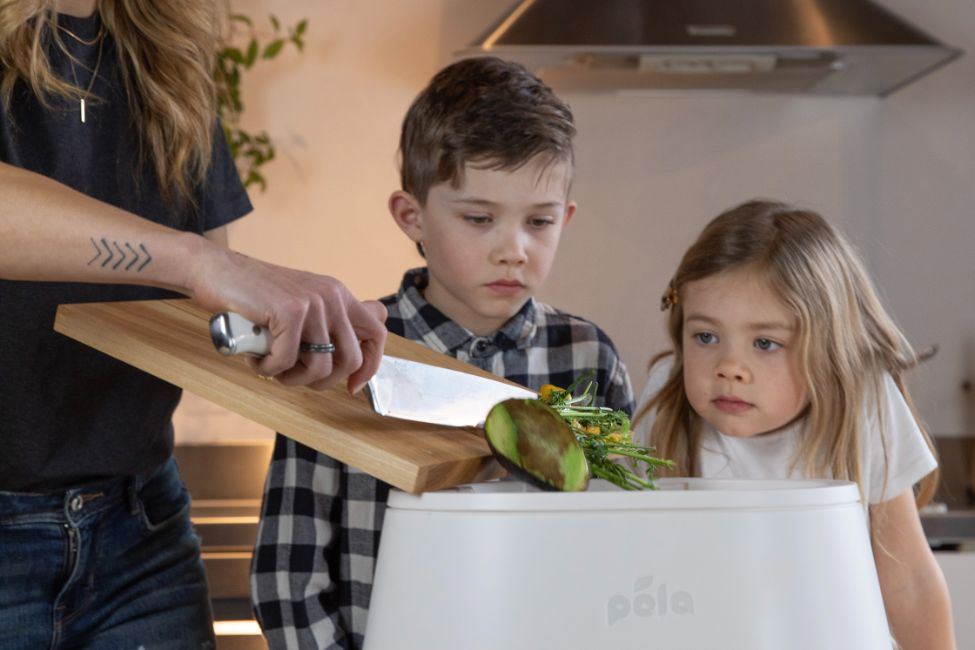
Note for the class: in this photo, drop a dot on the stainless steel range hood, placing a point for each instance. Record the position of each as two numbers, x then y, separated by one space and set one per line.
841 47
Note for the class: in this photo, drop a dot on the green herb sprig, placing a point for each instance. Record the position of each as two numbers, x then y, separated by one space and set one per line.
604 435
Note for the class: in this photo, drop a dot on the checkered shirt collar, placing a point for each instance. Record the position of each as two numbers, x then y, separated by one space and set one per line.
444 335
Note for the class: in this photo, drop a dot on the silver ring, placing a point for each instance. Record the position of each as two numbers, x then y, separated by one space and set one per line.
326 348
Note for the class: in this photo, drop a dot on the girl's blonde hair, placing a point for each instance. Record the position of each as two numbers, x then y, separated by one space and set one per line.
166 54
847 341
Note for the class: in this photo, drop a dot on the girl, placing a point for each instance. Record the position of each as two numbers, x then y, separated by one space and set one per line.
785 364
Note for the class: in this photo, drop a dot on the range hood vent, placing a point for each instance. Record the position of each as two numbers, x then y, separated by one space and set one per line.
839 47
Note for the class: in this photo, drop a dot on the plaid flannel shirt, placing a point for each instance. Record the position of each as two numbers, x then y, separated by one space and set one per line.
312 572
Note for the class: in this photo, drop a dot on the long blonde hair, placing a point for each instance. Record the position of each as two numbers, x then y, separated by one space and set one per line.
847 341
166 53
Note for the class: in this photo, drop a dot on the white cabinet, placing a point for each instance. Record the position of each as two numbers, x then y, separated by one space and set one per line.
959 570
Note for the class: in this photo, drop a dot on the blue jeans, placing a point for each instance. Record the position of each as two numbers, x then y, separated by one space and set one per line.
109 565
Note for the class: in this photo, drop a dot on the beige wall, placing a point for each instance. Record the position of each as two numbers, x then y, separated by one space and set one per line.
898 174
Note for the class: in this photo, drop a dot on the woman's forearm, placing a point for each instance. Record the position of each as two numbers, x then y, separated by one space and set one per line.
50 232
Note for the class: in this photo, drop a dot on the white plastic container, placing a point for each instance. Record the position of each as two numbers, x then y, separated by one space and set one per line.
699 565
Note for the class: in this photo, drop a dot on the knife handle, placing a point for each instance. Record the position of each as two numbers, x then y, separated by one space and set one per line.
231 333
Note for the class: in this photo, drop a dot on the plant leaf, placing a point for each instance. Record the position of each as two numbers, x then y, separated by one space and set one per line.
249 151
273 48
233 54
252 50
254 177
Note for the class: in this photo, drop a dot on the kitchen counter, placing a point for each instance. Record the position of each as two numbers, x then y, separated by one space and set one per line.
226 482
949 528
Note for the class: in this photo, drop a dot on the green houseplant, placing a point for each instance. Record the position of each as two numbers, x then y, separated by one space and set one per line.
250 150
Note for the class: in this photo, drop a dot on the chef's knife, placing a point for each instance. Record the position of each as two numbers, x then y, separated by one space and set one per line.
400 388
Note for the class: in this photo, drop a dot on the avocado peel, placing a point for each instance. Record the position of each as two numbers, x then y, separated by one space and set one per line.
532 441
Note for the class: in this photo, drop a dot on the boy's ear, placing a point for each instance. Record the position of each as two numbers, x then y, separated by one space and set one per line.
407 214
570 209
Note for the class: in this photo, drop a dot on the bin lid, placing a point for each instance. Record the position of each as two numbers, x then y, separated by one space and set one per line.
672 494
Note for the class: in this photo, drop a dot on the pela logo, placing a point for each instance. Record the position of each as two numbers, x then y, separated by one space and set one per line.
645 605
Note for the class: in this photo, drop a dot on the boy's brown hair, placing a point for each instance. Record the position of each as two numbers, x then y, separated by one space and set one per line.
481 110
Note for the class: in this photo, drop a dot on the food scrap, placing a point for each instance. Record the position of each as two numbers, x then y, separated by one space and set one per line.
604 435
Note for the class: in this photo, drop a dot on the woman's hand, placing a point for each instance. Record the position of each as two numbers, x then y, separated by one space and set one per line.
50 232
295 306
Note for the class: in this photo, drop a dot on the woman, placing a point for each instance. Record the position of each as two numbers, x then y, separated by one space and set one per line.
115 184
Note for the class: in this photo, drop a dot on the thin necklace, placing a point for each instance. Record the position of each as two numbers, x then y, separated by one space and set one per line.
91 84
98 37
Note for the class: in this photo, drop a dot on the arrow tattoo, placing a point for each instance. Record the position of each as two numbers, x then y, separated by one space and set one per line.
104 252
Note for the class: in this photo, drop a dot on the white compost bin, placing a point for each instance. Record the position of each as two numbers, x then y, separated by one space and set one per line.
699 565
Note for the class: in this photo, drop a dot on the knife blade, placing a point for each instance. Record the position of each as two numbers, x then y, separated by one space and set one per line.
401 388
418 391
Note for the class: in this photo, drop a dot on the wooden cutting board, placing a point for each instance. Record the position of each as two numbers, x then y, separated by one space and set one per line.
170 339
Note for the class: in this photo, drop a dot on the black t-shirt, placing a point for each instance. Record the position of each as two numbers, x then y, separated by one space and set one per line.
69 414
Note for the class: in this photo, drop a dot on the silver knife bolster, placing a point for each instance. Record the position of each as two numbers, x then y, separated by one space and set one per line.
369 390
231 333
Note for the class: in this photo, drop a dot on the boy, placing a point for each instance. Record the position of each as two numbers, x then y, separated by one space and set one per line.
486 164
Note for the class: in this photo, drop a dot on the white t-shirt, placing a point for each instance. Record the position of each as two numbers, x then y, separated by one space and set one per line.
770 456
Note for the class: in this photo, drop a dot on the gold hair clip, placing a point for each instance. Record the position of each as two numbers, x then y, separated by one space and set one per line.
670 298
